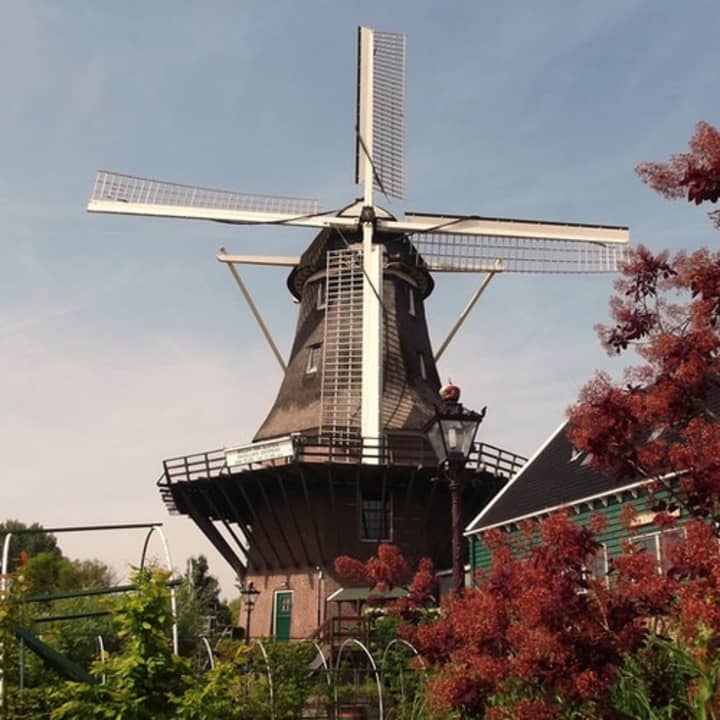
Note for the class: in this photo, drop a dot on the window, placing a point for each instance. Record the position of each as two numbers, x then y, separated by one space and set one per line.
669 539
598 567
421 363
321 296
648 543
313 359
375 518
658 545
411 300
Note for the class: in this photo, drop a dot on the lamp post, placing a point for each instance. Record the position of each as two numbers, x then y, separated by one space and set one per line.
451 433
248 593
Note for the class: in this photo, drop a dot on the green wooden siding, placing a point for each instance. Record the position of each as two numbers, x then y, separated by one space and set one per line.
610 506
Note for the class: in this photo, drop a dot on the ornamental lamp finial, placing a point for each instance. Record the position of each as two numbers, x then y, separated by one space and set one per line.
450 393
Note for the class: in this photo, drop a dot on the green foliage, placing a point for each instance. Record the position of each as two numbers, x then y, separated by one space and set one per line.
48 572
145 680
242 689
26 545
667 680
200 610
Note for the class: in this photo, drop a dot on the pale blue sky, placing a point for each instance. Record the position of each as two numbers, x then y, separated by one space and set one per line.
122 340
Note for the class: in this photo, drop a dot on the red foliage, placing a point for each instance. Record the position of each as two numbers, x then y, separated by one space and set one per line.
695 174
381 572
537 634
534 617
659 421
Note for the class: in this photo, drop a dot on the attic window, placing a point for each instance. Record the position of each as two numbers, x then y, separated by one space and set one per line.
321 296
313 359
411 301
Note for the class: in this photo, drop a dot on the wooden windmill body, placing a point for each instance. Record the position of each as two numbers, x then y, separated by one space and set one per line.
341 461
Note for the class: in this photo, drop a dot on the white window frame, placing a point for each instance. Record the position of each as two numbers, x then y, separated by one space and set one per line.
321 300
658 545
587 571
313 359
605 564
423 367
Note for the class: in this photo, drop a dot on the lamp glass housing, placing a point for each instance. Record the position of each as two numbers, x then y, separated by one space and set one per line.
452 431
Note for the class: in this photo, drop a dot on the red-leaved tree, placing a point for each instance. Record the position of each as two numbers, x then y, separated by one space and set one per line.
381 572
661 421
538 637
695 174
388 569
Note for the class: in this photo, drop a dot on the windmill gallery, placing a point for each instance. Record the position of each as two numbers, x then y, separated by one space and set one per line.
343 460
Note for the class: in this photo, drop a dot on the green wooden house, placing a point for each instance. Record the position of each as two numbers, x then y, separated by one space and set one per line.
557 476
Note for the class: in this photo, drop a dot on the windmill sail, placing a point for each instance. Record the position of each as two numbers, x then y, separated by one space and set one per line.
130 195
381 109
457 243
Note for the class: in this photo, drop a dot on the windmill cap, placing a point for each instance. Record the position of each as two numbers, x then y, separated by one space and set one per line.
402 255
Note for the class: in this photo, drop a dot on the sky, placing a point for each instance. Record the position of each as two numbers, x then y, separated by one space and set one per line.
123 341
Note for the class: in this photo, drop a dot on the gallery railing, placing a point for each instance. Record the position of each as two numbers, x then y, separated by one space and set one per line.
397 450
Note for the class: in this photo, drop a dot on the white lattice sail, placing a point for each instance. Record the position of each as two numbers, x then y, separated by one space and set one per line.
127 194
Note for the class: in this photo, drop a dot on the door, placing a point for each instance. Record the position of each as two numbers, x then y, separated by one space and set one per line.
283 615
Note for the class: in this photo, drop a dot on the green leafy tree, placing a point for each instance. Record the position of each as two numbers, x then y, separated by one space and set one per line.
201 611
24 545
144 681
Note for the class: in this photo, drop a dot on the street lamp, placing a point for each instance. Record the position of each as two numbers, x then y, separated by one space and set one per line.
451 433
248 593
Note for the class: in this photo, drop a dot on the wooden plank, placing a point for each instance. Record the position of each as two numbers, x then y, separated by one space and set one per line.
255 519
333 506
246 531
312 516
293 517
281 528
408 494
212 533
221 516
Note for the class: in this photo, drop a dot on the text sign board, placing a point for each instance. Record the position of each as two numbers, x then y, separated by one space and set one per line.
260 452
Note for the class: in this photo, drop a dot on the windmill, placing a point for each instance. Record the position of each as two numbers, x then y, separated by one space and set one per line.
361 378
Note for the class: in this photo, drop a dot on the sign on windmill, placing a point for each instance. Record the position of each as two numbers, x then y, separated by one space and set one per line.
370 377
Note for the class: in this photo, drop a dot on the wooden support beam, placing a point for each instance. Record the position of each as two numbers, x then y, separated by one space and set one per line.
429 504
281 528
358 505
212 533
253 546
408 494
333 506
383 496
312 516
255 519
222 517
291 513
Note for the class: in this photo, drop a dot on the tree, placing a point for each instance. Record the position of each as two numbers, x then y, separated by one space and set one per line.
695 174
382 572
144 681
49 572
24 544
201 611
539 637
660 422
